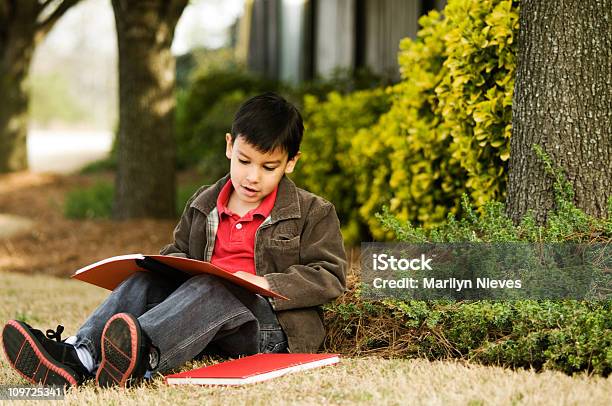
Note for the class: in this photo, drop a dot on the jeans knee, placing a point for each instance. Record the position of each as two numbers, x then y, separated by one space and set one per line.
204 279
140 278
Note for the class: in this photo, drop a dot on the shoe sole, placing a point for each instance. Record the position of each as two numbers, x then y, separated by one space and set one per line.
28 357
119 350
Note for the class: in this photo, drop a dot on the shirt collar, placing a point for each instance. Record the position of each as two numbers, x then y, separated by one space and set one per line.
286 205
264 208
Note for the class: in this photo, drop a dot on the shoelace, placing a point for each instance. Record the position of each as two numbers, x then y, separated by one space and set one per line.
57 334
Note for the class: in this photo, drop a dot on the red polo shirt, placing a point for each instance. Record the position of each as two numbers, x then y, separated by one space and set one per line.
235 241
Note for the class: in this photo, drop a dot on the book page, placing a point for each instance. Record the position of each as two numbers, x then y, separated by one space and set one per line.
121 258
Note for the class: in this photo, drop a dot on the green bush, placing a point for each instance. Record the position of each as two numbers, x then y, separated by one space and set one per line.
107 164
569 335
342 81
198 61
183 194
490 223
204 115
325 167
447 130
207 152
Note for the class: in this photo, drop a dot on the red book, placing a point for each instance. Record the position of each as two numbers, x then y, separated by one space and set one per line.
110 272
251 369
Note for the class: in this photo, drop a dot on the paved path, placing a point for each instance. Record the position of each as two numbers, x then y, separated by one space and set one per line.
65 152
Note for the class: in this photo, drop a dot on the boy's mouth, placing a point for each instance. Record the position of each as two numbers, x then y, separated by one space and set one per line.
249 190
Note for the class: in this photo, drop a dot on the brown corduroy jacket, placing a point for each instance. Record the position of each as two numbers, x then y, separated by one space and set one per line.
298 249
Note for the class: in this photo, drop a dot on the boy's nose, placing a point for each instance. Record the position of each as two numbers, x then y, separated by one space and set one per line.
253 176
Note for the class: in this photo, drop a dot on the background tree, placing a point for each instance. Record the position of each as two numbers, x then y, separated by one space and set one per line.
23 25
145 180
562 102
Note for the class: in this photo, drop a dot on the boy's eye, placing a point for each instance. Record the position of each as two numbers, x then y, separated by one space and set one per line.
267 168
242 161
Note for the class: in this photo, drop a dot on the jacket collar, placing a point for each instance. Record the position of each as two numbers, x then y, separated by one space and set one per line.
287 204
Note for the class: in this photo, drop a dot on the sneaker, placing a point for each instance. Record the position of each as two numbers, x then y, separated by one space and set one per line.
125 352
42 359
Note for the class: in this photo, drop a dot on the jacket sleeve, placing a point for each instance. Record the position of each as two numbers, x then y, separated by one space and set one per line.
321 275
180 246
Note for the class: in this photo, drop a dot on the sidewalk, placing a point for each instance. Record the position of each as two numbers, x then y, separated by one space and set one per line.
66 151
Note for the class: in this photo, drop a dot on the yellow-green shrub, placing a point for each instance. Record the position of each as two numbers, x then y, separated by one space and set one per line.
447 130
324 167
475 96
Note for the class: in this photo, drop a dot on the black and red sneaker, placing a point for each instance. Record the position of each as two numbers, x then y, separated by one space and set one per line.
125 352
42 359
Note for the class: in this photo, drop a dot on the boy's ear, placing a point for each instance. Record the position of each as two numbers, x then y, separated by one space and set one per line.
228 145
291 163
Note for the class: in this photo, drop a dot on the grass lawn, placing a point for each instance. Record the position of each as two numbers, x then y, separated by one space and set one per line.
45 301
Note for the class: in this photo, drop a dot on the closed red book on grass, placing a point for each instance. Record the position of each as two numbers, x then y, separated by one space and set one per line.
251 369
110 272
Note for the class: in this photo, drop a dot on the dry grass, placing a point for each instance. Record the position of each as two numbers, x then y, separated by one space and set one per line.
46 301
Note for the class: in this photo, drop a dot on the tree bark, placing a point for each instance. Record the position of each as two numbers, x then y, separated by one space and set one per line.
22 27
145 181
16 57
562 102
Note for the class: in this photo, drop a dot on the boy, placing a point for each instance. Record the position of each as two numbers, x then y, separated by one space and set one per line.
254 219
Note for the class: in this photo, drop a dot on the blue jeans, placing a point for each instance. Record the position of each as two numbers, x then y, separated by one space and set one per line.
204 314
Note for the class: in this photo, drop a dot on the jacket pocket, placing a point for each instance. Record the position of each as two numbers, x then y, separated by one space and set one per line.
282 252
285 241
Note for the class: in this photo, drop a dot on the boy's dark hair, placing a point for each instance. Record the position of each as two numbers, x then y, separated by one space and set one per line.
268 121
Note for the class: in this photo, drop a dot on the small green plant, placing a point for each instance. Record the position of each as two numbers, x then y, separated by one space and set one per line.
97 201
569 336
92 202
491 223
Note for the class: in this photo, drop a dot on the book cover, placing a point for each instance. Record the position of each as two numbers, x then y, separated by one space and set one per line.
251 369
110 272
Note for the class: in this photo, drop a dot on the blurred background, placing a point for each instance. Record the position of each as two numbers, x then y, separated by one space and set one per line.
65 118
407 105
73 79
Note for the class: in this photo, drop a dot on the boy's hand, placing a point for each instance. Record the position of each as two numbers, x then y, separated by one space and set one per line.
254 279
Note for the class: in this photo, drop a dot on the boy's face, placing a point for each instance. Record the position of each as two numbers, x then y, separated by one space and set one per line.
255 174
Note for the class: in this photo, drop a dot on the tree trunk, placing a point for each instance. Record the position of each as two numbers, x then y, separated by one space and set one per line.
562 102
145 182
23 25
14 67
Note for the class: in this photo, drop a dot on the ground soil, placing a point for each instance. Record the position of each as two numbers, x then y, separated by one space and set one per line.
57 245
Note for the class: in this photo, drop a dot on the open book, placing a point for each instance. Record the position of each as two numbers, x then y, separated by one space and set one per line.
110 272
255 368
